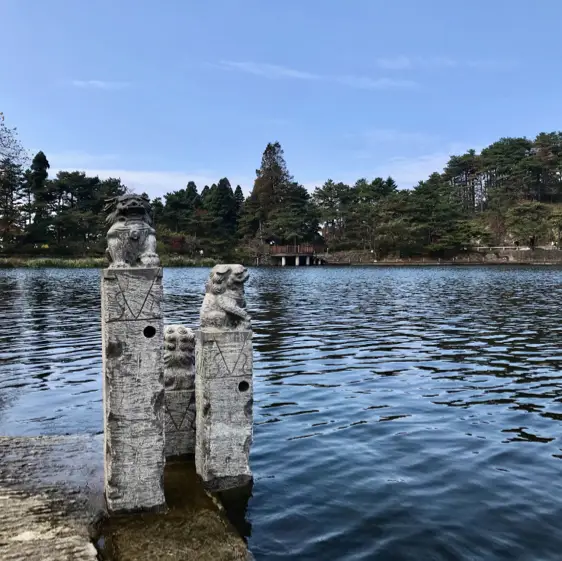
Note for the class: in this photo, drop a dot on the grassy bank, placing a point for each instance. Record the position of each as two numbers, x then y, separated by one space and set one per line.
93 262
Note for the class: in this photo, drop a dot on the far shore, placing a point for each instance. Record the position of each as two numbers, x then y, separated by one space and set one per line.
181 261
93 262
437 263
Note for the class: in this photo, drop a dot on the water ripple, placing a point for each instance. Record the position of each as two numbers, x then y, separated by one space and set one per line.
400 414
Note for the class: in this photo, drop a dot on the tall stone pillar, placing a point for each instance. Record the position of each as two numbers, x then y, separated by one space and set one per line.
223 382
133 380
297 261
283 261
179 382
308 260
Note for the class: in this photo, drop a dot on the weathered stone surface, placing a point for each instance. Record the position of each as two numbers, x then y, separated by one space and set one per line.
180 423
133 388
131 239
179 381
224 400
51 496
224 303
52 509
179 357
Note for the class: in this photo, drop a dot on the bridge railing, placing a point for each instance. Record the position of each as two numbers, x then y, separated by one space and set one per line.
511 248
300 249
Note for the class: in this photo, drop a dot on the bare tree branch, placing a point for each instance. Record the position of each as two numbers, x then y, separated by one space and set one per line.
10 146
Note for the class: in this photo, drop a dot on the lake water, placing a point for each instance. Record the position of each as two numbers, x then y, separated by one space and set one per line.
400 413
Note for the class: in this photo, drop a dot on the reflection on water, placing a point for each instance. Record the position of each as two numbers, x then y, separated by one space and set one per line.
401 414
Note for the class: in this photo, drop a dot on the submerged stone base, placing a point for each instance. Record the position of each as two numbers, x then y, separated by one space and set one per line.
192 528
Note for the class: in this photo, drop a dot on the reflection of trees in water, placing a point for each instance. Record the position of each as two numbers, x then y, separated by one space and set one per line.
11 335
11 293
38 296
269 299
58 308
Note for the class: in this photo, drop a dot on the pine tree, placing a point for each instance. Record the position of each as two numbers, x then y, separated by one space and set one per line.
239 198
272 179
39 198
180 209
221 205
11 218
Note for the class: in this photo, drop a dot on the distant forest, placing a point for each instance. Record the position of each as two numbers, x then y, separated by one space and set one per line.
510 193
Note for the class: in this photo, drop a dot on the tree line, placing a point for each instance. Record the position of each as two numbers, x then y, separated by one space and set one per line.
511 192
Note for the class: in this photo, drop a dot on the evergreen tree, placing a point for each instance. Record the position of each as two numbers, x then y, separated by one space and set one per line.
180 209
295 219
239 198
436 213
272 179
249 221
39 198
11 217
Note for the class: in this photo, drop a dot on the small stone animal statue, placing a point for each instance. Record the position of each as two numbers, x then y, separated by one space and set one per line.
224 303
179 357
131 239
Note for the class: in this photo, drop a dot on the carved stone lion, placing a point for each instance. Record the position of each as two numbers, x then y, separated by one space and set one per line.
131 239
224 303
179 357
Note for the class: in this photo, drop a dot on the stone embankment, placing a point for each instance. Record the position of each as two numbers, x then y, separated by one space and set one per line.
51 497
493 256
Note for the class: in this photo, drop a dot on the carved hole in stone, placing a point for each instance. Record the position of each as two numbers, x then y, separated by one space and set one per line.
243 386
149 331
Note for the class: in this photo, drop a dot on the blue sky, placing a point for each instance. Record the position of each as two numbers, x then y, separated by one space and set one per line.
159 93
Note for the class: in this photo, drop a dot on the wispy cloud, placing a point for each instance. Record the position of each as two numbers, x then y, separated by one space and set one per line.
492 65
99 84
75 159
271 71
156 183
407 171
403 62
385 136
367 145
275 72
364 82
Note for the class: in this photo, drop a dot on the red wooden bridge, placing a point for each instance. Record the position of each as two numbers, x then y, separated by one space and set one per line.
297 254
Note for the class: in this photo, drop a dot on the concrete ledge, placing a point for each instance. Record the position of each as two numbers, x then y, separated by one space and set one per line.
52 509
51 497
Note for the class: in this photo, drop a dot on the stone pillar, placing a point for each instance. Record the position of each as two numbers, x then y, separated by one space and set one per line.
133 388
283 261
179 382
297 261
308 260
223 382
